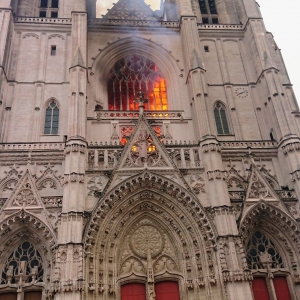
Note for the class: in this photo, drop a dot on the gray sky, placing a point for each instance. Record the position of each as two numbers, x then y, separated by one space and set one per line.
281 18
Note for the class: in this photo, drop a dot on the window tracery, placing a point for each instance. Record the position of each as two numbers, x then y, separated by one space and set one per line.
221 118
261 252
135 73
51 118
25 261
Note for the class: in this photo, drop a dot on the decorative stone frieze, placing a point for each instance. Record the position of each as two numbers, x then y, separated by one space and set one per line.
291 147
73 177
75 148
211 147
217 174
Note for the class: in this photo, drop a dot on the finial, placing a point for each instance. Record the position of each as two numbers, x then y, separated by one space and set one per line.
141 102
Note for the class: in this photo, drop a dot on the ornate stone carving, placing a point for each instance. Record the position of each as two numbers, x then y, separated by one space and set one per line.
25 197
9 182
96 185
217 174
257 189
197 184
145 236
163 186
291 147
144 151
211 147
73 177
48 179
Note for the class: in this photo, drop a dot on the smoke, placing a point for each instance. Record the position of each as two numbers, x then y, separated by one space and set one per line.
103 5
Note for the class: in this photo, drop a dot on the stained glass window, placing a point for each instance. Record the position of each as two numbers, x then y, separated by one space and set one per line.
132 74
221 119
25 260
51 119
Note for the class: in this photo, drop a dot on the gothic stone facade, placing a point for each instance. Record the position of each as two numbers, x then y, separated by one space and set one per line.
192 194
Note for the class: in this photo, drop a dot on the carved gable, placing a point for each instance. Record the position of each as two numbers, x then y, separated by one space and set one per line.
258 187
131 10
25 199
144 150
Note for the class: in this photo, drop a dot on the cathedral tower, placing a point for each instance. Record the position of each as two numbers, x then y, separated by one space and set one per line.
146 154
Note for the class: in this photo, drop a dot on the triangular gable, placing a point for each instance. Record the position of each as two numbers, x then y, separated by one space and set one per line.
25 196
131 10
258 187
144 150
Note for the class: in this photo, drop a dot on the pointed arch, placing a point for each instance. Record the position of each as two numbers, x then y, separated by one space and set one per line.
276 223
148 207
51 119
24 259
221 118
144 184
115 51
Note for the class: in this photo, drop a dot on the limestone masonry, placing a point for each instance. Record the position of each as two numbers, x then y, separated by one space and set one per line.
146 154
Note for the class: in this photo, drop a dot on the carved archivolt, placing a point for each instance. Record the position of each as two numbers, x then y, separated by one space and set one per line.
140 234
157 184
17 220
279 224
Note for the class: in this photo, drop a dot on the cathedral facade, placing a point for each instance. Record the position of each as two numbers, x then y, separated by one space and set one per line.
146 154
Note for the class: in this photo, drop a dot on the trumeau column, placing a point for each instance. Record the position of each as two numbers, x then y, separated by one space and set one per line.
67 279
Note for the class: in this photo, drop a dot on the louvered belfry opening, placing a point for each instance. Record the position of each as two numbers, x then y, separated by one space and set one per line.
132 74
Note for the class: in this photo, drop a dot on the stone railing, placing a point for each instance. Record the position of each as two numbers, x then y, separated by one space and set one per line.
248 144
219 26
289 195
106 156
157 114
138 23
60 21
31 146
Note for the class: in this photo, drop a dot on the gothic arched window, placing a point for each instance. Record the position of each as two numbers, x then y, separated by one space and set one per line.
24 261
208 11
263 258
221 118
51 118
132 74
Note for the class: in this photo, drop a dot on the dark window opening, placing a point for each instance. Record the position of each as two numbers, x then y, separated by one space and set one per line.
212 7
206 48
221 119
54 4
44 3
203 8
54 14
53 50
42 14
208 11
98 107
51 119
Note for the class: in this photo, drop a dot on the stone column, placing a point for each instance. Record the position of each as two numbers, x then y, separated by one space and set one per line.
69 257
